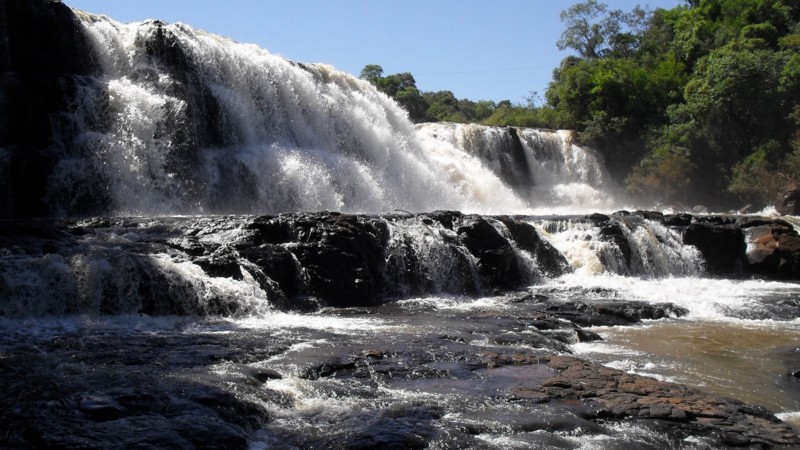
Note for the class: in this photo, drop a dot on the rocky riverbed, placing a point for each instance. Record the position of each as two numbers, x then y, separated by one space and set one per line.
348 331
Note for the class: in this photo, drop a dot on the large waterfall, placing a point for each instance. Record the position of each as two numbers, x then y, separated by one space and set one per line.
175 120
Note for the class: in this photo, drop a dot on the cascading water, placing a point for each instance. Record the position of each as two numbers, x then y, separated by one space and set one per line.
180 121
544 167
641 248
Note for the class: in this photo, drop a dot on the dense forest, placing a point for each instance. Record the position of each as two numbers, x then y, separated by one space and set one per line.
697 103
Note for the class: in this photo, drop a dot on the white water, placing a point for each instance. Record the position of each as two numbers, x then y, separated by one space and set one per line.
656 250
224 127
545 167
291 137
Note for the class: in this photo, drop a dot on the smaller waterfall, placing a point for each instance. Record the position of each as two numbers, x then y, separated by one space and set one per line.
622 246
543 167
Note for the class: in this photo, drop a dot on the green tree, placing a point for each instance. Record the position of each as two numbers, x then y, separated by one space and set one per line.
371 73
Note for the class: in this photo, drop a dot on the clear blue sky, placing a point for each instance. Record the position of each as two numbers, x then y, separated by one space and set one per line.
479 49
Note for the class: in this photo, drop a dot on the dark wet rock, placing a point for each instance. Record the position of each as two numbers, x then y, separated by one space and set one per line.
598 219
550 261
677 220
722 247
497 261
277 263
446 218
398 427
788 200
606 313
222 263
714 219
342 256
533 340
101 407
651 215
614 394
265 375
336 366
614 232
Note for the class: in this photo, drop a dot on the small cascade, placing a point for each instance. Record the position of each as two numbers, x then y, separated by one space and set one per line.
623 246
428 258
234 266
544 167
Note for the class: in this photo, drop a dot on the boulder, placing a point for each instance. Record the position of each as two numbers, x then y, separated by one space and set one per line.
788 200
722 247
549 260
773 250
497 260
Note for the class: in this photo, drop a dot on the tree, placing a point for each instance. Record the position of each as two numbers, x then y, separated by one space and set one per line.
371 73
593 31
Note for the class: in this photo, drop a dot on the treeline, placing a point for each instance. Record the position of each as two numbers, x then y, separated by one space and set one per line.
699 103
443 106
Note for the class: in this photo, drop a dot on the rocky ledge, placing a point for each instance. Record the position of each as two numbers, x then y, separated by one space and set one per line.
303 261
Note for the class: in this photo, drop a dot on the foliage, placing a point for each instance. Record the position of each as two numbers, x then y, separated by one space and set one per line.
443 106
698 105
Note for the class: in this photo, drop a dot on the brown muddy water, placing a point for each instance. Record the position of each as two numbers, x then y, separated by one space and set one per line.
751 362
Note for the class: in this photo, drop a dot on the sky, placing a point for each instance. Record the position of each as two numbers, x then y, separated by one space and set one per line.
478 49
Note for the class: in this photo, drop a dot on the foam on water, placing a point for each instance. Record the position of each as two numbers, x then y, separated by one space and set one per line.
707 299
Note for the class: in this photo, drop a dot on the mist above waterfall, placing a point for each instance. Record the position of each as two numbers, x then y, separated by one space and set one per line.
179 121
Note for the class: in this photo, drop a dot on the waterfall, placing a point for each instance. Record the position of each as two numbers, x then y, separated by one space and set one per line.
544 167
181 121
166 119
637 247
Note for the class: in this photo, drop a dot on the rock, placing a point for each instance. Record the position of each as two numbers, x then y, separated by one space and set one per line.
614 394
722 247
277 263
497 261
550 261
446 218
598 219
609 313
651 215
222 263
773 250
101 407
678 220
44 56
788 200
613 232
342 256
265 375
